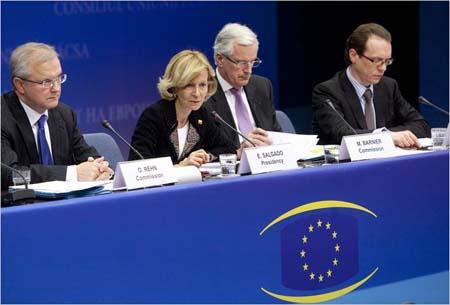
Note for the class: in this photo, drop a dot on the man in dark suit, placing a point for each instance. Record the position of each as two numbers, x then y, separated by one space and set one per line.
38 132
243 100
367 100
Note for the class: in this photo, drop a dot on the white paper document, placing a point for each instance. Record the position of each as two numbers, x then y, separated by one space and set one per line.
187 174
66 189
60 187
302 145
425 142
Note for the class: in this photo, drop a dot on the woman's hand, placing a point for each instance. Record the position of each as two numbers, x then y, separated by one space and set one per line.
196 158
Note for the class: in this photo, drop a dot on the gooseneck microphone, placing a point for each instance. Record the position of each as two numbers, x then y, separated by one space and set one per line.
108 126
18 194
424 101
218 117
330 103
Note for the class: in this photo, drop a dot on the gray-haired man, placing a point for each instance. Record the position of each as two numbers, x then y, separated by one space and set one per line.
39 132
244 100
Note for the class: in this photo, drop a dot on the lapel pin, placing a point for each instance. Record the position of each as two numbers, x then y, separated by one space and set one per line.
200 122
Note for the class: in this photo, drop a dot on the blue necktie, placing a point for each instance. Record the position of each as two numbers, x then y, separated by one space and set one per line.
44 150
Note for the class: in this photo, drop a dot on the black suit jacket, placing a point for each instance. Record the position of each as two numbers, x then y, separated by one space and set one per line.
260 98
19 145
156 126
391 109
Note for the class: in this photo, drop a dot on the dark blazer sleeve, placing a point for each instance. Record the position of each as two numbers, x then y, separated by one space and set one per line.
78 150
260 97
146 135
215 140
403 116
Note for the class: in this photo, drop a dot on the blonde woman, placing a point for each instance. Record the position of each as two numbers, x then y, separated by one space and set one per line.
177 125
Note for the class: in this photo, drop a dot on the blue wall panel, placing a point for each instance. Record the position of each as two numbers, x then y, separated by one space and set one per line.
114 52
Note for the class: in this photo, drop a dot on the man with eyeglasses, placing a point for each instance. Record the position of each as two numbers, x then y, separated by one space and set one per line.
367 100
38 132
243 100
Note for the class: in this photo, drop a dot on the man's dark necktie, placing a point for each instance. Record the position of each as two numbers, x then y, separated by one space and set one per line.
242 115
44 150
370 115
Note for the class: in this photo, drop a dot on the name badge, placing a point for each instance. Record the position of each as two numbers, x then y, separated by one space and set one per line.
264 159
144 173
367 146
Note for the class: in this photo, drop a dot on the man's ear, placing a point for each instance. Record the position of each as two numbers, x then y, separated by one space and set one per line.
18 85
352 55
219 60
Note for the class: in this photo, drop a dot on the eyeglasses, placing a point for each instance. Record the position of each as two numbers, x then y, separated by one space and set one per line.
48 83
243 63
379 61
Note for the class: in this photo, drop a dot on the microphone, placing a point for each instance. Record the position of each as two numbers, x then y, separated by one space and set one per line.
17 195
218 117
424 101
108 126
328 101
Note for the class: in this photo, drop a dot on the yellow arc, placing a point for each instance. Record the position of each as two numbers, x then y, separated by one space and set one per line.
317 205
320 297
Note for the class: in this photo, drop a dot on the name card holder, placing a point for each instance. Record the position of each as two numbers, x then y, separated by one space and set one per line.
367 146
264 159
447 136
144 173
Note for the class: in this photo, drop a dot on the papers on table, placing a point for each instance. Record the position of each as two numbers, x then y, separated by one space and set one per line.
65 189
302 145
426 142
188 174
212 168
406 152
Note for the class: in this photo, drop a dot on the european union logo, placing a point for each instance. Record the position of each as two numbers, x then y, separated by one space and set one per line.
319 252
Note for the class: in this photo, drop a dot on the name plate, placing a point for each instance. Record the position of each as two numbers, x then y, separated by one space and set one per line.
144 173
264 159
367 146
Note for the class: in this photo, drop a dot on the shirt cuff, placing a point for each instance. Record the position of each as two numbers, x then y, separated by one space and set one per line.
378 130
71 174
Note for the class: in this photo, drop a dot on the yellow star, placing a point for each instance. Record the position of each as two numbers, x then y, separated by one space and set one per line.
302 253
329 272
312 276
335 262
305 239
319 223
305 266
321 278
334 234
337 247
328 225
310 228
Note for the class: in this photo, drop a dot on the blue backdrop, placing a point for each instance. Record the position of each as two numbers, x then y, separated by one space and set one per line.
114 52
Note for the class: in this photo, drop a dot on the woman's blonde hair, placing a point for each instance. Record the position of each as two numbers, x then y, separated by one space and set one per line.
181 70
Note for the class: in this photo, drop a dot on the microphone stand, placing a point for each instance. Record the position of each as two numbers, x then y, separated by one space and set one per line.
218 117
19 194
108 126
